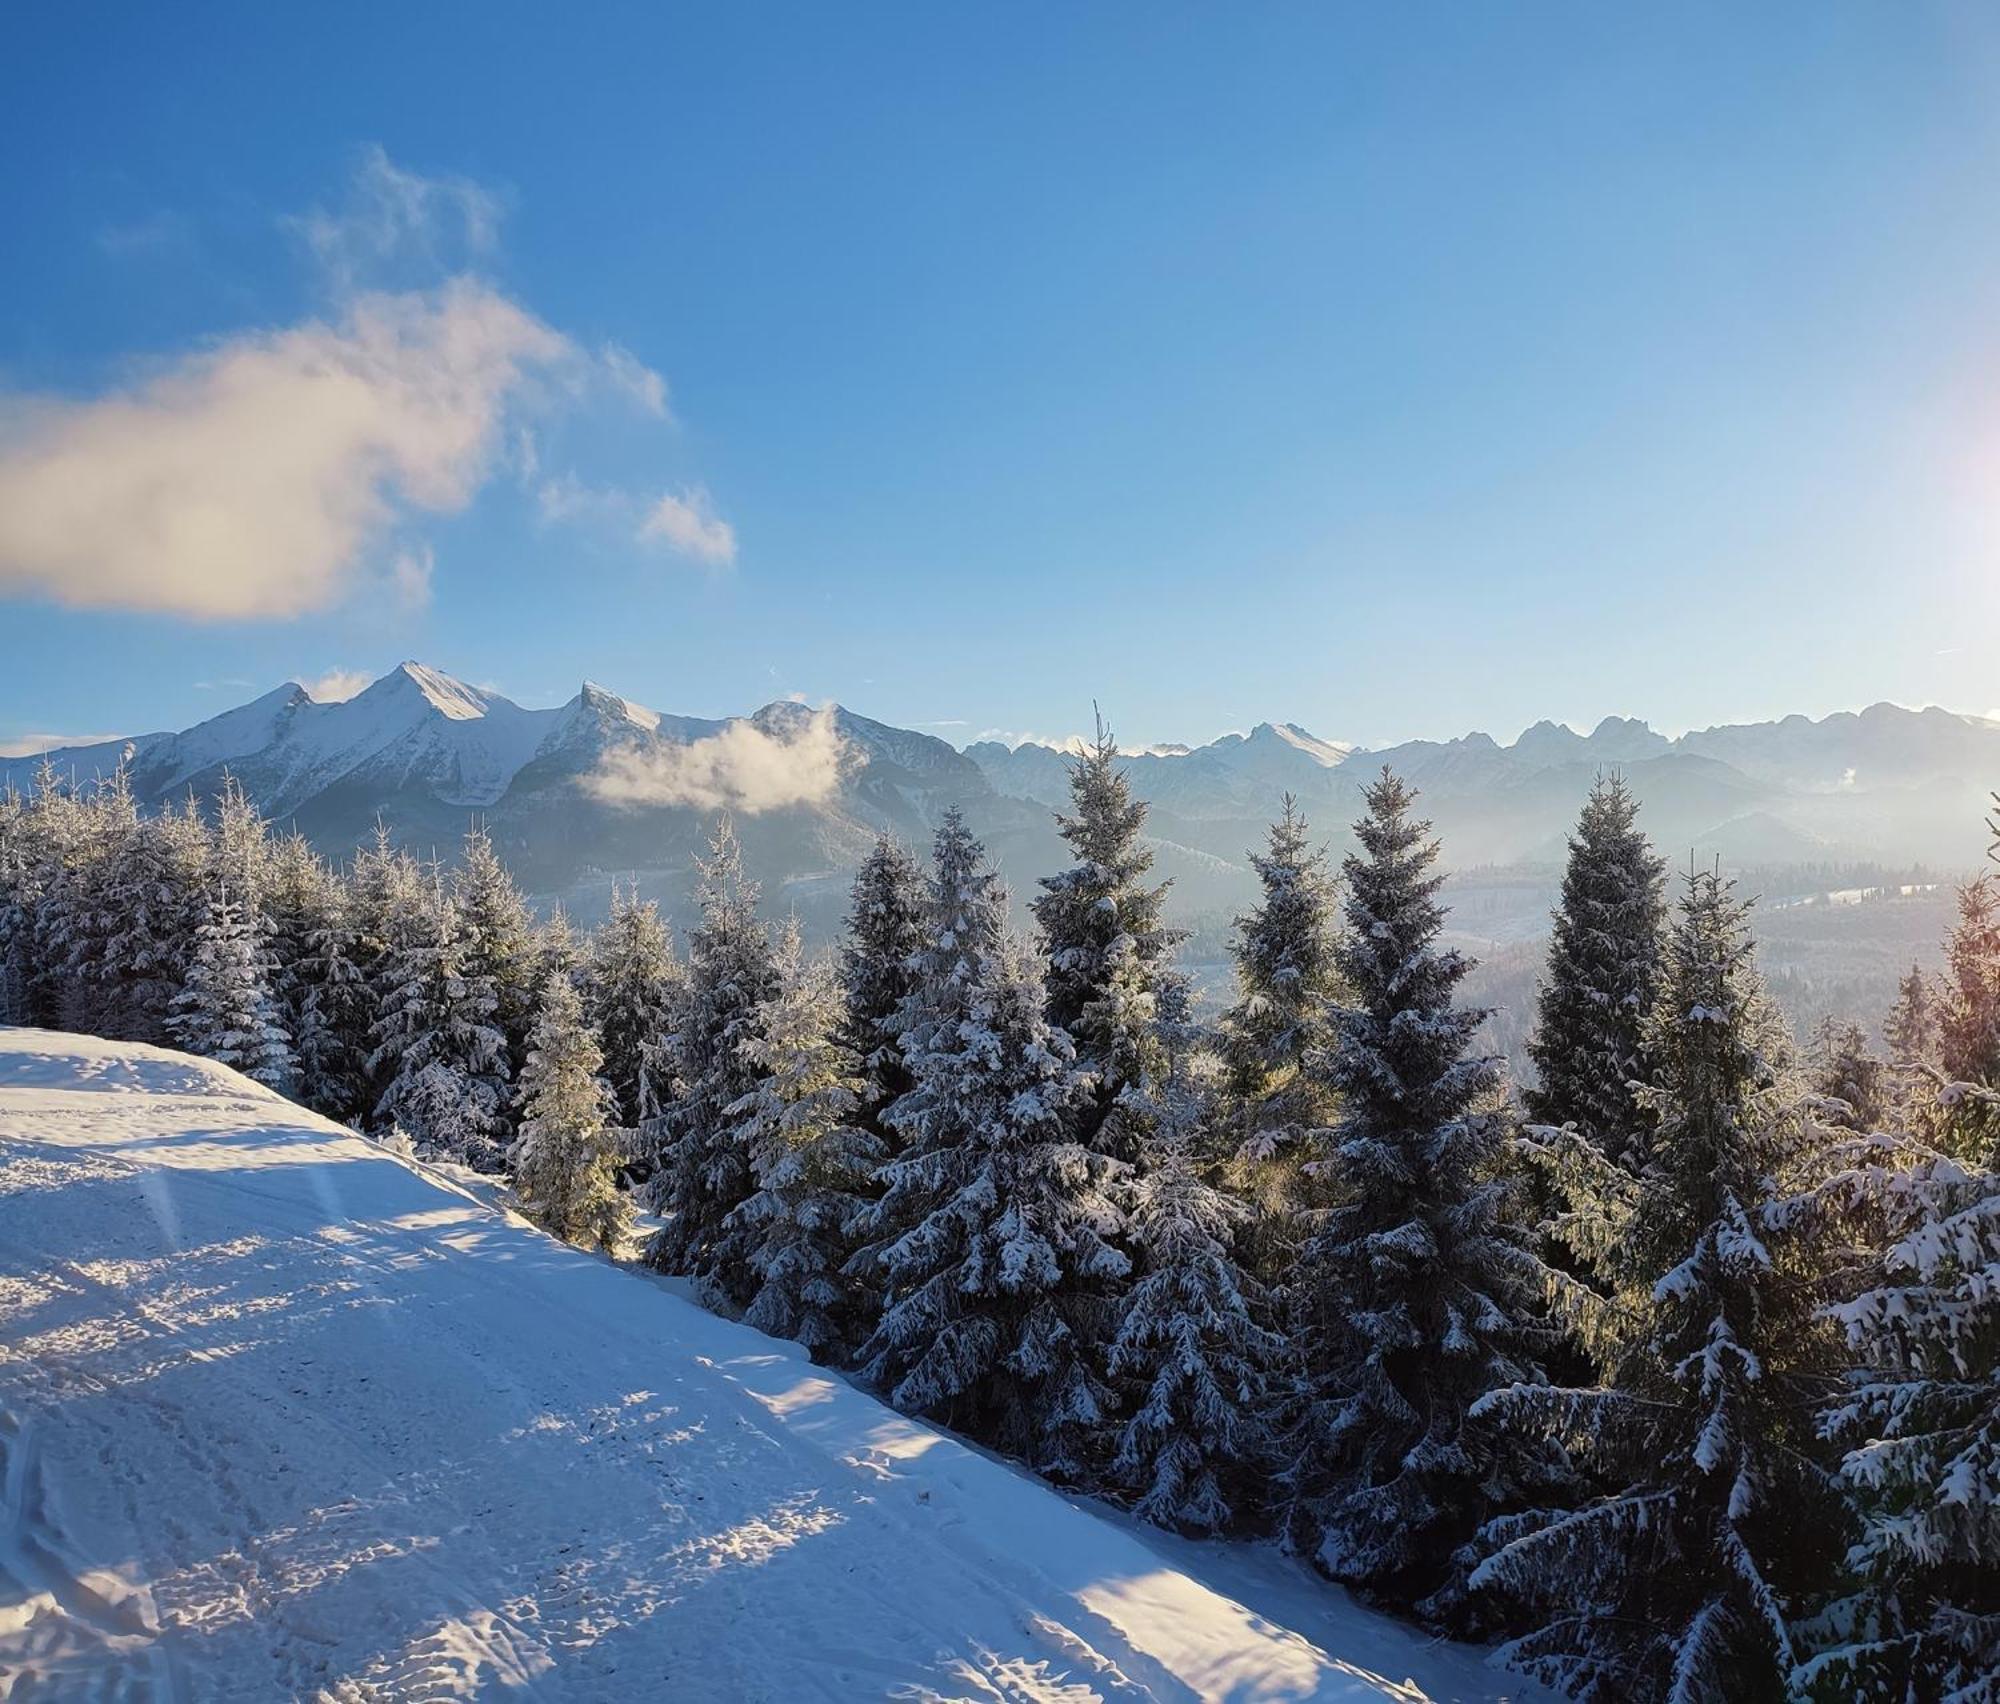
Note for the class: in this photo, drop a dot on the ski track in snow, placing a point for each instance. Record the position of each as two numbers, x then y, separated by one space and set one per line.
284 1417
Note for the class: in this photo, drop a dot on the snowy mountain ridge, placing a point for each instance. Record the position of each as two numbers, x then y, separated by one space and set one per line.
429 754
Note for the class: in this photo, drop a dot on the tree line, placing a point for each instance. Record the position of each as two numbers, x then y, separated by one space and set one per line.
1679 1374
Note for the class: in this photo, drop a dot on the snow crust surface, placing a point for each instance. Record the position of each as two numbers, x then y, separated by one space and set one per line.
283 1416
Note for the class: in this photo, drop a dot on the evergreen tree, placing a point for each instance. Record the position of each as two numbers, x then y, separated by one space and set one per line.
1920 1420
564 1161
702 1167
1107 948
1911 1029
1604 961
1686 1578
240 849
437 1047
335 1014
226 1011
557 952
812 1161
1191 1343
878 960
1286 982
53 830
1851 1082
998 1294
500 949
148 893
1969 1024
1420 1287
632 992
17 909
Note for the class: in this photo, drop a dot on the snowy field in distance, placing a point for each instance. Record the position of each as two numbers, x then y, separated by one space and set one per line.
283 1417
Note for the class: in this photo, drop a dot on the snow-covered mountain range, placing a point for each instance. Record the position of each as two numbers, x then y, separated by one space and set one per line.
601 786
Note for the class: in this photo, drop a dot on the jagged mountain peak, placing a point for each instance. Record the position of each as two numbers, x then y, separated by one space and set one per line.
601 701
442 692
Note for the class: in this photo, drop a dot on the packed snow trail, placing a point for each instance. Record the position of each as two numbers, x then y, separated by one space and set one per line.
283 1417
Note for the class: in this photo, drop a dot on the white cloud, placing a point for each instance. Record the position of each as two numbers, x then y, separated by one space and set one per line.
33 745
1074 744
689 526
395 219
336 686
272 472
744 768
155 233
624 371
252 479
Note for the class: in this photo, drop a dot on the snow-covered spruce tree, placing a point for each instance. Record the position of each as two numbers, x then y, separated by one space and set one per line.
1969 1025
701 1165
1286 981
80 908
557 951
1684 1581
50 834
1910 1032
1851 1082
335 1015
999 1298
1192 1349
1920 1422
499 939
632 990
437 1047
1107 948
240 848
226 1011
132 921
564 1161
878 962
1420 1292
1603 968
17 902
812 1161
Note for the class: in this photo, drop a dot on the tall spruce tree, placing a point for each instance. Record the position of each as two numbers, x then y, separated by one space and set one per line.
1919 1421
995 1241
1107 947
878 973
437 1047
1603 970
499 947
1286 981
1969 1025
812 1160
1421 1289
226 1011
1686 1579
702 1166
564 1160
1910 1031
1193 1350
632 992
1852 1083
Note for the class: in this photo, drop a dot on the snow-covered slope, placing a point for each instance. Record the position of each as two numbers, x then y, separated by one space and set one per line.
283 1417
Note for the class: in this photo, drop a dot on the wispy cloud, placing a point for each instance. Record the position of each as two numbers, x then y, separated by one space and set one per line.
270 473
689 526
252 479
1013 738
743 768
686 524
156 233
396 220
33 745
336 686
228 683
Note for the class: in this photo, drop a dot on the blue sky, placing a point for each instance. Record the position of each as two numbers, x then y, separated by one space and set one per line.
1391 370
